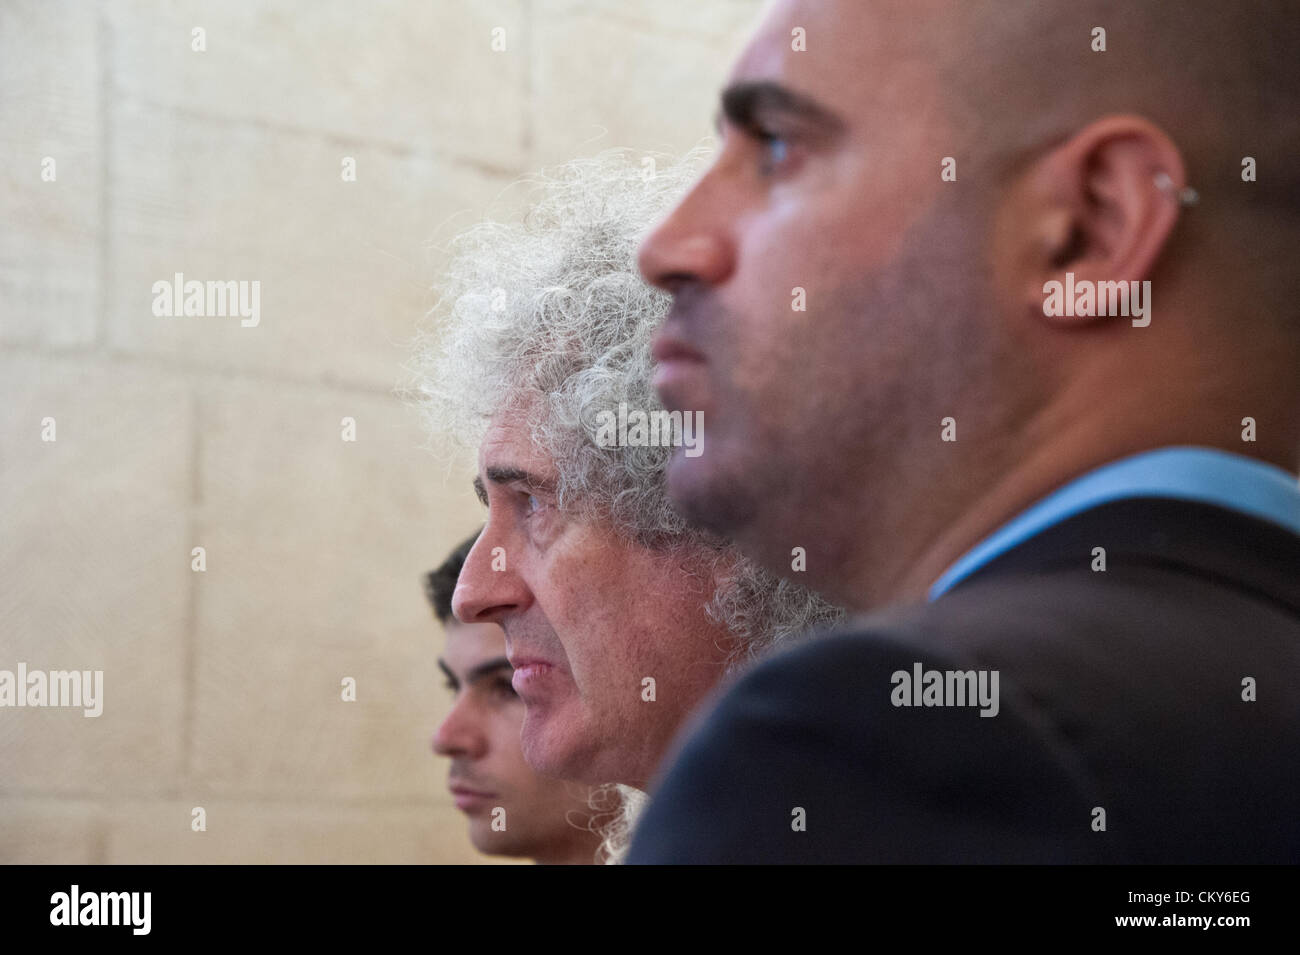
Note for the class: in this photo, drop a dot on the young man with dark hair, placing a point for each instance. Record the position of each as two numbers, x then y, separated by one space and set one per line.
512 810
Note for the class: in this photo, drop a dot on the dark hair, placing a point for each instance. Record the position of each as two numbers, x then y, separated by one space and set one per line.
440 584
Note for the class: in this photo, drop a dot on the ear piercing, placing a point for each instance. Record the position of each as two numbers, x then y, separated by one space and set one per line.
1186 196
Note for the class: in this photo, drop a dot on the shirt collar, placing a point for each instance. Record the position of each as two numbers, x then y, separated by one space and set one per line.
1208 475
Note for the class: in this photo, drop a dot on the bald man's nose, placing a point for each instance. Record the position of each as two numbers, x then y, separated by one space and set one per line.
685 247
484 594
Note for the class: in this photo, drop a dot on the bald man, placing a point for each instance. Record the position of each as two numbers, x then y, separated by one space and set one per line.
991 309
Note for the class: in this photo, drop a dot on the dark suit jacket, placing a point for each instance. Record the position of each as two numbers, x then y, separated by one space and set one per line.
1120 690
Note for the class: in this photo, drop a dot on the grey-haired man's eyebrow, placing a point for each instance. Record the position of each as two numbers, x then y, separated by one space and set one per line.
752 105
506 474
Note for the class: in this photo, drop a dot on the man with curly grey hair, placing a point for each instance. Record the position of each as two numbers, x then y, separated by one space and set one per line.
619 618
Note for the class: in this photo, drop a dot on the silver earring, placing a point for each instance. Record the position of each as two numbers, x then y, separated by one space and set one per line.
1186 196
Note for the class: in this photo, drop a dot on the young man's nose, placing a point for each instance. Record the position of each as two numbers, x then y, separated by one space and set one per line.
458 734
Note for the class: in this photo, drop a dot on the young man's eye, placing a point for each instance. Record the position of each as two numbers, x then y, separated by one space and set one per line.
774 151
777 149
450 687
504 689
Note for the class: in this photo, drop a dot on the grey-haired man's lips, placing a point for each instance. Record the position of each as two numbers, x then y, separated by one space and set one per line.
531 676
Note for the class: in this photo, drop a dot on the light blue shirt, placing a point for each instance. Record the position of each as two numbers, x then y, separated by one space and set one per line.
1185 473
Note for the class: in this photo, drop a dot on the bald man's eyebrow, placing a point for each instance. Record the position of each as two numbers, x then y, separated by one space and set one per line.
753 106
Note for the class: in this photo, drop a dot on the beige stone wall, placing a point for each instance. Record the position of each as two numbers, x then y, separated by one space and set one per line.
222 688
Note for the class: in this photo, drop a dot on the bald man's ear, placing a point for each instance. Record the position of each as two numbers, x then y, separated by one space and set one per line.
1093 207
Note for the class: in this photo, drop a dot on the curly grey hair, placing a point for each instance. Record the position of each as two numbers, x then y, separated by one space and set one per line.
550 315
